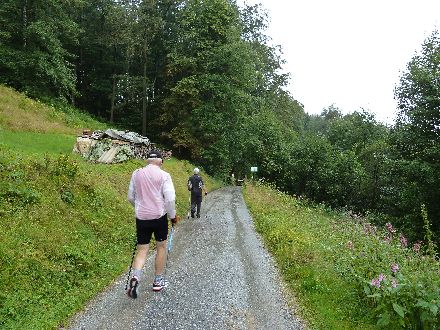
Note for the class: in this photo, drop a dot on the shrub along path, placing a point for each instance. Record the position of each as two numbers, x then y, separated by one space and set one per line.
220 275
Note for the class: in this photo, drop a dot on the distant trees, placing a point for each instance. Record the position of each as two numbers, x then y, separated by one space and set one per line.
36 42
190 74
202 78
355 162
416 135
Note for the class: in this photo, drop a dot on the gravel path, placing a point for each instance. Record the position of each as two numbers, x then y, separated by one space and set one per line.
220 275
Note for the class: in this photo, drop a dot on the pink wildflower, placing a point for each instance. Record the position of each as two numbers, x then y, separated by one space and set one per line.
375 282
394 283
417 246
403 241
390 228
394 268
387 239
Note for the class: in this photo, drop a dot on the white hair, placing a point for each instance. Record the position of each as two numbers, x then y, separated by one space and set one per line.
196 171
155 161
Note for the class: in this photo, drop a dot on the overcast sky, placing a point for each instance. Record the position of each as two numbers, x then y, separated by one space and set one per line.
350 53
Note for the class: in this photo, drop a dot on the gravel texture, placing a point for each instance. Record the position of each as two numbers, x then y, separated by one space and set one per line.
220 277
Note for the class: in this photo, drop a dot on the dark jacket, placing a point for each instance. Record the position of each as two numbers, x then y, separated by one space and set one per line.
195 184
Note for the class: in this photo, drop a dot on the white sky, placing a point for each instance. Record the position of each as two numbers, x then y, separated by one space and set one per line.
350 53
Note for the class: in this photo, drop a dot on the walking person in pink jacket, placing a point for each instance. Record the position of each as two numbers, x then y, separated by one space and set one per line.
151 192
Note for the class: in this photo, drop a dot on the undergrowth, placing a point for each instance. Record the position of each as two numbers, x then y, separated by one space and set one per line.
66 228
346 273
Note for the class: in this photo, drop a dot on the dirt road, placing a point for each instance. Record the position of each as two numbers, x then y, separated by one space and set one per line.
221 277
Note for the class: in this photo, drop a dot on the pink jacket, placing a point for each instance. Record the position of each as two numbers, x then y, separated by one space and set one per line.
152 193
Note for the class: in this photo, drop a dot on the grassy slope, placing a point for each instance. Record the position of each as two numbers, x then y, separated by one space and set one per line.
329 260
303 241
66 227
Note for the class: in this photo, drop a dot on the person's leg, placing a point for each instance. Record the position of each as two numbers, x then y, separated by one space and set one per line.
199 205
141 256
138 264
143 236
193 204
161 257
144 231
161 235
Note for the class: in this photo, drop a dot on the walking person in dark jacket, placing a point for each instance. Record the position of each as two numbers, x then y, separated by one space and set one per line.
196 186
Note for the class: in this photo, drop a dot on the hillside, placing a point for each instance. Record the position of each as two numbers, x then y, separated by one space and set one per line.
67 230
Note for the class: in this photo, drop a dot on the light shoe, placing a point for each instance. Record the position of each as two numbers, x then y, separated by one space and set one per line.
159 285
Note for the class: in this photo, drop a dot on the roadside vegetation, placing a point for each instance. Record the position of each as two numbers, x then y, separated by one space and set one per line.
347 273
204 79
66 228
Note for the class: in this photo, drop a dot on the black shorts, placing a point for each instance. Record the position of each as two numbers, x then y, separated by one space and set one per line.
145 228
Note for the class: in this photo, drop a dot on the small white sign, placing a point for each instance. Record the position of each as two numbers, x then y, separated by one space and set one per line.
254 169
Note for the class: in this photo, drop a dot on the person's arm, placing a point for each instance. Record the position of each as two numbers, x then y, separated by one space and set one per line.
169 195
131 196
189 184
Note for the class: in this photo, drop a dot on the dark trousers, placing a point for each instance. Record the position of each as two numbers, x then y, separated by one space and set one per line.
196 202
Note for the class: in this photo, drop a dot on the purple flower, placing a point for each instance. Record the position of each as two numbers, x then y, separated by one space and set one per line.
394 268
403 241
394 283
387 239
417 245
390 228
375 282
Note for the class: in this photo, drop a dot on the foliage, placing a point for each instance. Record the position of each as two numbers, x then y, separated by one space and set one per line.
34 53
58 237
347 272
64 220
401 282
416 135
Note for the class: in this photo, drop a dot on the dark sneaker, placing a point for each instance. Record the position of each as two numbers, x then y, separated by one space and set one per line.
159 285
192 215
198 215
132 290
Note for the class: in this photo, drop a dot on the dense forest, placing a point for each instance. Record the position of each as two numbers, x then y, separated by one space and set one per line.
203 78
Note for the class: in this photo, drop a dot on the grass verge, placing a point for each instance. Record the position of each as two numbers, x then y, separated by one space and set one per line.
345 272
302 240
66 228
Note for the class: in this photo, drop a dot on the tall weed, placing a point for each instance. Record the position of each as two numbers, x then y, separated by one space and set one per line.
346 272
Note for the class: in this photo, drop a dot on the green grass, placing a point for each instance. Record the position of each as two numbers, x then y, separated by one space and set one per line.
67 231
66 228
38 143
302 239
330 261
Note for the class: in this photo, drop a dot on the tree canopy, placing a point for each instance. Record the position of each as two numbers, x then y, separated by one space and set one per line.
204 79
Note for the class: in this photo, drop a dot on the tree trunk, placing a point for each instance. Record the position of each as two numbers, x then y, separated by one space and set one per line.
144 101
25 23
112 108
